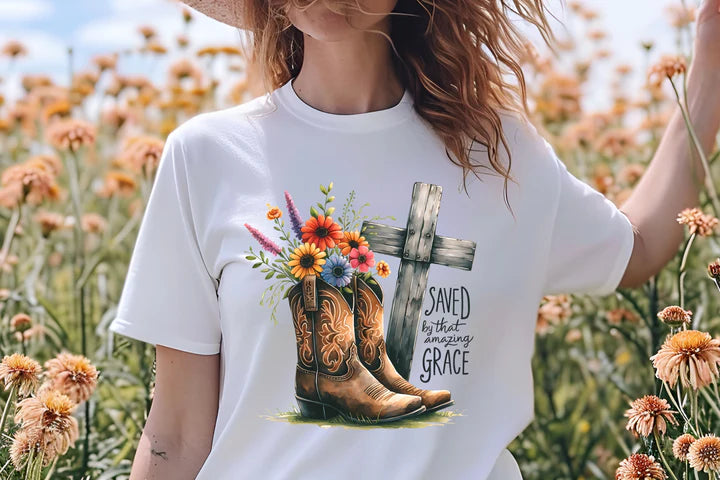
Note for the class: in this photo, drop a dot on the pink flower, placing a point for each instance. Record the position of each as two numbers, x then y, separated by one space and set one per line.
264 241
362 258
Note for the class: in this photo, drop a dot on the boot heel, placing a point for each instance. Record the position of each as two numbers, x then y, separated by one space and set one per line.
313 409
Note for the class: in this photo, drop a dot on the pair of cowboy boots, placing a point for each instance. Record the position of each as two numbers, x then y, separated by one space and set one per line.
330 378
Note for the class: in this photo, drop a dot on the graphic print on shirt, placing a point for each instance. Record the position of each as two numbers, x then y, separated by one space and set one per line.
348 371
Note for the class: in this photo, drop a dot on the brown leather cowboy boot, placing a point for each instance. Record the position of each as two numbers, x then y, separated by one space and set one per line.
372 351
329 378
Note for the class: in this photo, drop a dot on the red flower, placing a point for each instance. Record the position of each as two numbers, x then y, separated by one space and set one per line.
362 258
321 231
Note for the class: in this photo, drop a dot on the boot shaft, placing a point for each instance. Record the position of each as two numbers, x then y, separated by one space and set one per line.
369 331
323 321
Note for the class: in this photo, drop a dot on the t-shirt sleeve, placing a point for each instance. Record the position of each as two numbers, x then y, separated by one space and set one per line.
591 241
169 297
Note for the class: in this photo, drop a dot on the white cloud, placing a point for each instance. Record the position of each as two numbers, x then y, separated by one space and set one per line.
25 10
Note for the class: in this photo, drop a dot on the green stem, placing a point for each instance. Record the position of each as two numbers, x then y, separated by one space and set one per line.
52 468
681 271
680 409
695 414
6 409
712 403
662 455
9 234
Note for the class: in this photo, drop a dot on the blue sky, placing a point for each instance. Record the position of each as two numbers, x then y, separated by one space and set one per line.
47 27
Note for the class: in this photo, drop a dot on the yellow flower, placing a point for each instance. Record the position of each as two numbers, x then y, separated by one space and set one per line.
383 269
306 260
273 212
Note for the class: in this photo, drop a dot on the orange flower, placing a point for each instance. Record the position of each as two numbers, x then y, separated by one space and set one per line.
351 240
72 375
675 316
383 269
639 466
648 414
691 355
273 212
21 372
48 416
704 454
681 446
697 221
322 231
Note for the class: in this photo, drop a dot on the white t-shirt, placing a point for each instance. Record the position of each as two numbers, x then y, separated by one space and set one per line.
190 286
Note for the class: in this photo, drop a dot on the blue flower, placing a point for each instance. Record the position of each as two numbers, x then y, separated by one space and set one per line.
337 271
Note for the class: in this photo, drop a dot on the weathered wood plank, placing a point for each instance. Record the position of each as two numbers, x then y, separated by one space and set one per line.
429 221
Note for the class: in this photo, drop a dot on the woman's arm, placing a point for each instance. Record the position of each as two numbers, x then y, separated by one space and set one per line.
178 433
668 185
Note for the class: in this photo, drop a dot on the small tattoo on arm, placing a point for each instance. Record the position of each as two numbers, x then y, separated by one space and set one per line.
163 455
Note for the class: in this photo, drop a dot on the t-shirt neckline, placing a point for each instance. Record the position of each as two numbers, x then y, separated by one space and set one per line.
355 122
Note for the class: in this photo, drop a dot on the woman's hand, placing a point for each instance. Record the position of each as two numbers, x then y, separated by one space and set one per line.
706 55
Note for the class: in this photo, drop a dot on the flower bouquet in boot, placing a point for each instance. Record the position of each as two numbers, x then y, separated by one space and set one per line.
330 379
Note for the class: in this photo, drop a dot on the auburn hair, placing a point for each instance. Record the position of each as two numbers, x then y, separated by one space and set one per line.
450 54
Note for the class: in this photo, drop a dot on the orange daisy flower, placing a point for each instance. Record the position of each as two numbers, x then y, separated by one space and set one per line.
322 231
351 240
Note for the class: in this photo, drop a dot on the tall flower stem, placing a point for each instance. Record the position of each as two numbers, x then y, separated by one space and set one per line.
662 455
52 468
677 405
681 271
6 409
709 184
79 261
712 402
9 234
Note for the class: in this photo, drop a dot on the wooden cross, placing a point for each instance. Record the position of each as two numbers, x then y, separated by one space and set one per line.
418 247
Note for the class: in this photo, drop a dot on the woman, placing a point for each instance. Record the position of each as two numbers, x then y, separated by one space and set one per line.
402 346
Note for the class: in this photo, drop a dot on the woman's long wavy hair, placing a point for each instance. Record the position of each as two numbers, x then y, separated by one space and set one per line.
451 55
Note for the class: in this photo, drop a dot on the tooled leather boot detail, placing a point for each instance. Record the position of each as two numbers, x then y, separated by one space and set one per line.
335 330
335 381
303 335
371 344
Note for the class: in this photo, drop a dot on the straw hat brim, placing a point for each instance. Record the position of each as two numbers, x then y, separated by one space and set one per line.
229 12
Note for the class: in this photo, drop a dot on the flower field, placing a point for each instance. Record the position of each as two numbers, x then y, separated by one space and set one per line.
626 385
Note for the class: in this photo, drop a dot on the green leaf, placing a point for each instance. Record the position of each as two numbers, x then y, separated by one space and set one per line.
250 257
286 292
329 211
320 205
323 190
331 198
313 212
330 186
276 228
269 275
264 270
257 265
347 290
